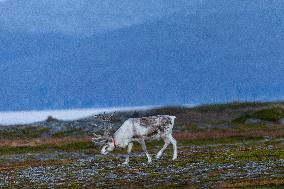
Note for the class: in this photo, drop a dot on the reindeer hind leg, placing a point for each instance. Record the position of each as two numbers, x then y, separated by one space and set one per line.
174 143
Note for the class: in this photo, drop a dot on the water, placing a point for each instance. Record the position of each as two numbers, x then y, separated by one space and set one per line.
24 117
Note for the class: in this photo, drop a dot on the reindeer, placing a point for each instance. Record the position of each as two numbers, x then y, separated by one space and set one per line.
139 129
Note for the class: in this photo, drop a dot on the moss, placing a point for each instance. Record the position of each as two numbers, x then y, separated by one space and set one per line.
234 105
269 114
221 140
240 155
273 114
46 147
258 155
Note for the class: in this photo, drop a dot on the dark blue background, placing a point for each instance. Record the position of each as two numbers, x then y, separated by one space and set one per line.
214 51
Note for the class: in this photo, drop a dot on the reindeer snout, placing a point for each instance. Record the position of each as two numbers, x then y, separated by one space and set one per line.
104 151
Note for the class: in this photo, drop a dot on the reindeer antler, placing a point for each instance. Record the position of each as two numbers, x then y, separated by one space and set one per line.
107 120
99 139
106 117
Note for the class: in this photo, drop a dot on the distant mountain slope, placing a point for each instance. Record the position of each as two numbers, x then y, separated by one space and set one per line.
84 17
182 58
19 44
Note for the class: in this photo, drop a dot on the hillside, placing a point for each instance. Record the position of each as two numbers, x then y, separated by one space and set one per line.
237 118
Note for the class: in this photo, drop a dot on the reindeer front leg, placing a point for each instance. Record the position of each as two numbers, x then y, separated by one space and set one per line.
129 148
142 142
160 153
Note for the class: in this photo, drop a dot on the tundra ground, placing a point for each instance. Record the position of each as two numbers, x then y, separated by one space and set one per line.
235 146
215 163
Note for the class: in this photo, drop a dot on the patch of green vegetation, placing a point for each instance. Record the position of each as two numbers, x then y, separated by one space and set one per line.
234 105
269 114
273 114
262 187
74 146
241 155
224 140
258 155
244 127
17 150
173 185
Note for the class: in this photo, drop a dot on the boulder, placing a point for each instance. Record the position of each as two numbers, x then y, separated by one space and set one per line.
281 121
252 121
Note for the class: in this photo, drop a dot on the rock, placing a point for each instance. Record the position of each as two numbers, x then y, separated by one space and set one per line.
204 126
51 119
252 121
281 121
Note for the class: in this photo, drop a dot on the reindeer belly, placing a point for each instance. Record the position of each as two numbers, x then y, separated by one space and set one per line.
146 132
155 135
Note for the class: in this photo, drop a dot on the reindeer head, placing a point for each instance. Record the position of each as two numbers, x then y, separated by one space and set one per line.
106 141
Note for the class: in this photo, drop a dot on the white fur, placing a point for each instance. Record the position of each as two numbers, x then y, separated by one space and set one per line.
132 130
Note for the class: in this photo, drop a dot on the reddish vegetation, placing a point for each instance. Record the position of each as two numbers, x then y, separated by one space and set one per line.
177 135
41 141
264 182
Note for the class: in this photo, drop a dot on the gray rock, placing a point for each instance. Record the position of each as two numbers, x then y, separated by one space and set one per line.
204 126
281 121
252 121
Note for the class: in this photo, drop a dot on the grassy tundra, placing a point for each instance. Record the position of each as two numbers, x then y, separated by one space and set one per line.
238 145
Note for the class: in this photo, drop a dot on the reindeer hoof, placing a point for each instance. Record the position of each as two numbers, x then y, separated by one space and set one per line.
158 156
